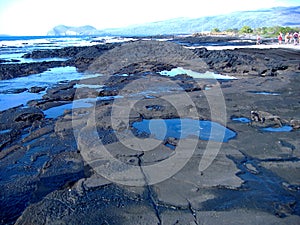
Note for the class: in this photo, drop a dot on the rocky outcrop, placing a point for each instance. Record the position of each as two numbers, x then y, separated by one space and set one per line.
152 56
265 119
146 56
250 62
15 120
48 179
9 71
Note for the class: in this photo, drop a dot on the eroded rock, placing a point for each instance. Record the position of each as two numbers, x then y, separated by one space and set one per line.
265 118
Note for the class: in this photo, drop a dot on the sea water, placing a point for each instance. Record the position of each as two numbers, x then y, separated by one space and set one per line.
14 47
57 111
178 128
45 79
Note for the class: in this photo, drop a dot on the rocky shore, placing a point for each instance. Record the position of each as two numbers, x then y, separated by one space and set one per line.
91 165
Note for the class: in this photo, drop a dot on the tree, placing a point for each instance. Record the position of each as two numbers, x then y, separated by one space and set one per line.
275 30
215 30
246 30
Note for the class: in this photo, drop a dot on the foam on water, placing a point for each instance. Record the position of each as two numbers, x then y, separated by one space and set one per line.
13 47
44 41
17 58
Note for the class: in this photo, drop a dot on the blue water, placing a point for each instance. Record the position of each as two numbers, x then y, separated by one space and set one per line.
241 119
14 47
278 129
57 111
24 38
45 79
207 75
5 131
264 93
162 129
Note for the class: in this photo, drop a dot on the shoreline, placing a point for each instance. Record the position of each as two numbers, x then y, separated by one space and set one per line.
56 165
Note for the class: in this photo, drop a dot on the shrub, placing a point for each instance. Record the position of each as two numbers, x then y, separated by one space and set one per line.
246 30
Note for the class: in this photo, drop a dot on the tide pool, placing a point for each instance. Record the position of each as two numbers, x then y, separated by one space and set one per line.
45 79
206 75
162 129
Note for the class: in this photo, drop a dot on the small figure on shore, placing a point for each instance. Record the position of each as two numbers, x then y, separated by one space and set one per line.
296 38
287 38
258 40
280 38
291 38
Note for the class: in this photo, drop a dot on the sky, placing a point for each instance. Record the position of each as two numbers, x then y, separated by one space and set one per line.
37 17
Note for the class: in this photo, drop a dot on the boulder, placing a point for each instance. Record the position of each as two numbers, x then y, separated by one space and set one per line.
36 89
265 119
295 124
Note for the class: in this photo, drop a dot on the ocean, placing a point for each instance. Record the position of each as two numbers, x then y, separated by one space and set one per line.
12 48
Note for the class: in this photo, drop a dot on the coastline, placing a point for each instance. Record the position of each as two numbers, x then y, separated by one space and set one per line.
55 164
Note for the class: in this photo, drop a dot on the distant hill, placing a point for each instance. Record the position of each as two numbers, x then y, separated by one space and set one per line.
279 16
63 30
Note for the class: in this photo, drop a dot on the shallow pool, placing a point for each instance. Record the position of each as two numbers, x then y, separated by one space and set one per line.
241 119
162 129
264 93
45 79
57 111
206 75
278 129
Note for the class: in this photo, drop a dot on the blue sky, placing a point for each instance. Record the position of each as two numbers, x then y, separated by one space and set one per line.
37 17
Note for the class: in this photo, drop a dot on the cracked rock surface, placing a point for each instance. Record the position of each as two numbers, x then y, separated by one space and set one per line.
91 166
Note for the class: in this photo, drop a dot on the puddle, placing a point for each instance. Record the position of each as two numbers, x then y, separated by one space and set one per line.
264 93
57 111
173 147
107 98
92 86
149 97
184 128
241 119
278 129
8 101
154 107
206 75
5 131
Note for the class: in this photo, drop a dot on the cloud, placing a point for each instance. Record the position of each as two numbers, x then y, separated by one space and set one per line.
36 17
